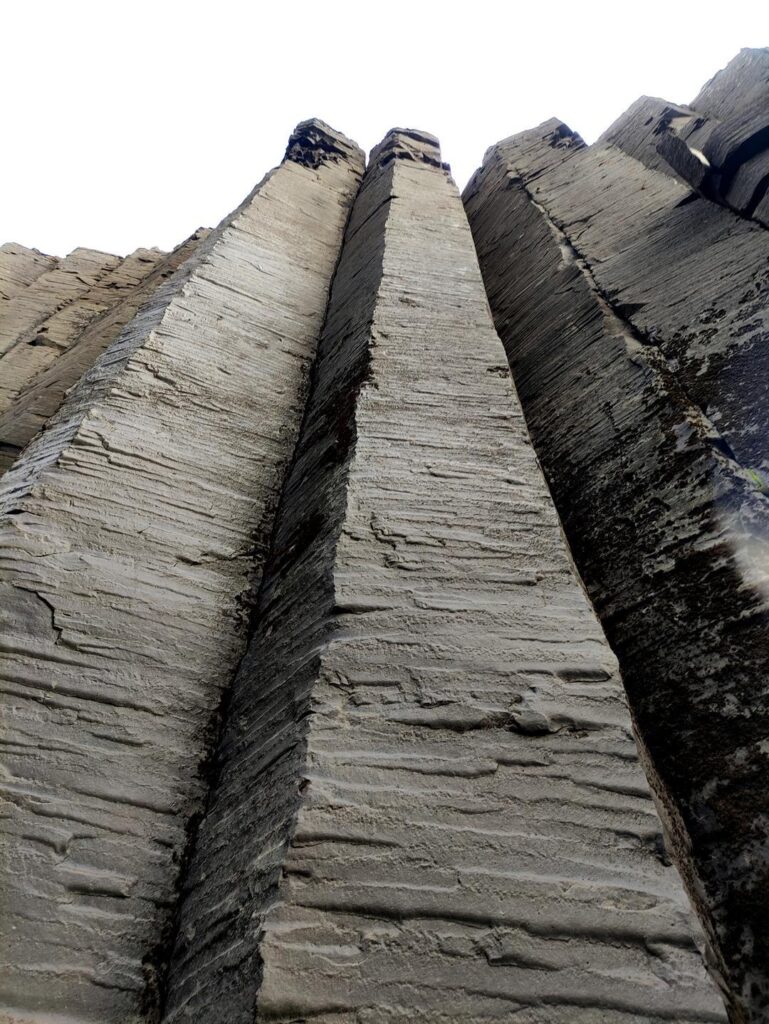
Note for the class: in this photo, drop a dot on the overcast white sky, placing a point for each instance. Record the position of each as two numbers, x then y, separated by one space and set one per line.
131 122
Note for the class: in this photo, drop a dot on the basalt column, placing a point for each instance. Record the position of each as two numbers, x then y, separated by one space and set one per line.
668 528
427 802
132 530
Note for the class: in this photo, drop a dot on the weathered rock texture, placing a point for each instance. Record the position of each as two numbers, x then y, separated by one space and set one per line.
41 320
634 316
427 804
19 267
307 714
38 371
133 527
719 145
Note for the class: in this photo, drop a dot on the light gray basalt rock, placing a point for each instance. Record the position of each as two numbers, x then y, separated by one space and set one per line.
132 530
689 276
19 267
67 281
634 321
37 345
427 804
85 335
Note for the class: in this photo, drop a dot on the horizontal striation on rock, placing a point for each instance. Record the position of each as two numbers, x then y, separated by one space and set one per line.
690 277
38 346
68 280
40 399
19 267
133 528
581 252
428 804
719 145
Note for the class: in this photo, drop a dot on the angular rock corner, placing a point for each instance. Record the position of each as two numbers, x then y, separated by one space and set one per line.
315 624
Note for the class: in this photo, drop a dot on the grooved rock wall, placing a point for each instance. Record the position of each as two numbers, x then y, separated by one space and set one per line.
19 267
719 145
89 330
38 344
630 317
690 277
132 530
427 802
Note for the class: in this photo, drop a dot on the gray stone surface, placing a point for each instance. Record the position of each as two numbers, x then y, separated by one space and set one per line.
719 145
427 796
736 101
19 267
39 344
68 280
690 276
81 334
618 306
132 530
643 127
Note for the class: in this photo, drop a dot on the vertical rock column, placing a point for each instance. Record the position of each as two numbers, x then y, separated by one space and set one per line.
19 267
668 531
428 803
132 531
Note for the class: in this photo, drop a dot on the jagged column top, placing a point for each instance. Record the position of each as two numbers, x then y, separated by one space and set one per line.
407 144
313 143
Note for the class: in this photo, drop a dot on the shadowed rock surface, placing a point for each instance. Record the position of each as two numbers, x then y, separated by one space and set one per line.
427 792
634 323
132 530
719 145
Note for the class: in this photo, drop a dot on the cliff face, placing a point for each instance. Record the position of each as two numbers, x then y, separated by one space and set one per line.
133 528
634 316
428 762
308 714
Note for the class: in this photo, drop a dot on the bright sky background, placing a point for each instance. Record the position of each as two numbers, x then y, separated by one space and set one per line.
131 122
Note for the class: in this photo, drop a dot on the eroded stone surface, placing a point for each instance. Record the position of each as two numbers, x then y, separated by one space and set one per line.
81 335
591 263
19 267
427 742
690 277
719 145
132 530
37 346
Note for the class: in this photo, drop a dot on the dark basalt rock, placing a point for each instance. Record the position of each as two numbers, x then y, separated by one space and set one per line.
428 803
634 323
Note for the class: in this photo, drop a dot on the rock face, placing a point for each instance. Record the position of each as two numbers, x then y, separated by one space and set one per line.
427 803
307 713
19 267
719 145
37 376
634 317
132 530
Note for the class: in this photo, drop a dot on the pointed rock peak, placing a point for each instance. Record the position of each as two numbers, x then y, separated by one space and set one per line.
408 144
313 143
553 132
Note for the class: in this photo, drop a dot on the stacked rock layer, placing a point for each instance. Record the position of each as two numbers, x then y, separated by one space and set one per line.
133 528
